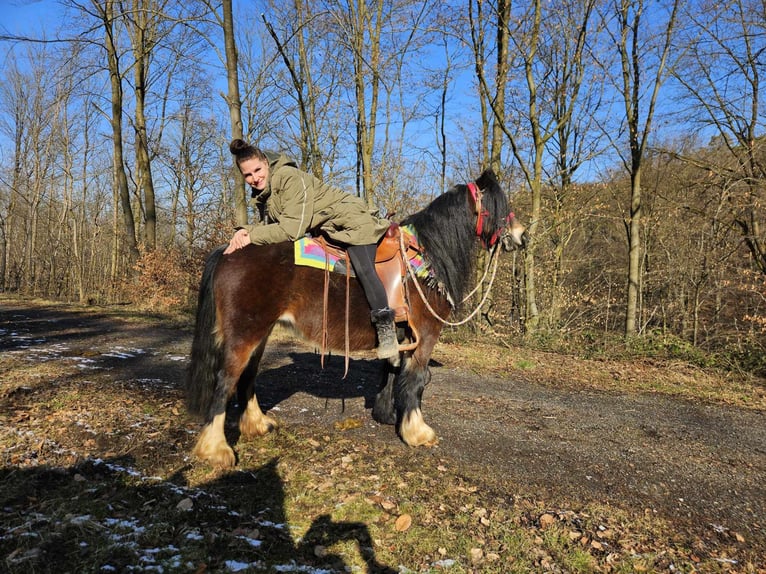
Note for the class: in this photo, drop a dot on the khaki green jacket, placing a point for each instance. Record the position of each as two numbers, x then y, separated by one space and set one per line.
297 203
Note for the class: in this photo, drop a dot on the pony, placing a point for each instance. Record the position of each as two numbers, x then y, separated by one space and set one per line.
243 295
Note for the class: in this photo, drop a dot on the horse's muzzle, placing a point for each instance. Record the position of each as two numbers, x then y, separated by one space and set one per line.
514 236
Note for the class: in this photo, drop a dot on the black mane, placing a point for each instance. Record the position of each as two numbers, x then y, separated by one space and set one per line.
446 231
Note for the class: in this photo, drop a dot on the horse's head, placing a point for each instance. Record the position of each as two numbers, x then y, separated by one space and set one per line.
495 223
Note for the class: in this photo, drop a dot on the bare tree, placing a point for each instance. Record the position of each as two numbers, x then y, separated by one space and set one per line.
528 35
144 27
14 99
362 24
105 12
304 88
639 110
234 102
727 40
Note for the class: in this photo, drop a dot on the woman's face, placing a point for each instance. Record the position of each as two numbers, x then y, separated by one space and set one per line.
256 172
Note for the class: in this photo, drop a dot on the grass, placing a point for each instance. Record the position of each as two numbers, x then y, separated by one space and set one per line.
670 377
292 503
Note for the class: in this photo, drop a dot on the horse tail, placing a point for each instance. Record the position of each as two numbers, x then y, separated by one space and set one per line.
206 346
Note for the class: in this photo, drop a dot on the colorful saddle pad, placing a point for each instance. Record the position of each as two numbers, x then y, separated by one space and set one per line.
310 253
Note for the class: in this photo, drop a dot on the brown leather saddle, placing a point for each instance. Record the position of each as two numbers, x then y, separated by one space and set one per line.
389 265
391 268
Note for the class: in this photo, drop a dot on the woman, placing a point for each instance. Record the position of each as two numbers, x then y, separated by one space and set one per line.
292 203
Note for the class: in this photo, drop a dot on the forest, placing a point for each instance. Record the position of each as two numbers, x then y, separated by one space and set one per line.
627 133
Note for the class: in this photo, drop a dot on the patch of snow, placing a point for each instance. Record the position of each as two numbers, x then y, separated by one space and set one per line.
293 567
81 519
251 541
123 353
237 566
194 536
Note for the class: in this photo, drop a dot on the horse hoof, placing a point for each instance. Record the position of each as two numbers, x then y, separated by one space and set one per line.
255 428
219 457
428 440
415 432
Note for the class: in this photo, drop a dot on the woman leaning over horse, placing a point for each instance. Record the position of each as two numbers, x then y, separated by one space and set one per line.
293 203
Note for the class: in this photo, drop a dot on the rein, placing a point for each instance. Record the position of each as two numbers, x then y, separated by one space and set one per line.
413 276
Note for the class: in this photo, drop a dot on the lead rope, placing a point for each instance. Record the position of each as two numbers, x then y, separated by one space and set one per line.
483 277
412 274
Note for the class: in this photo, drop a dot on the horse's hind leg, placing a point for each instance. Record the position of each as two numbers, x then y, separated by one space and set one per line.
253 422
212 445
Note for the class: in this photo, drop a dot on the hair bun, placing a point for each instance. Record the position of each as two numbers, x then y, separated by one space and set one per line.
238 146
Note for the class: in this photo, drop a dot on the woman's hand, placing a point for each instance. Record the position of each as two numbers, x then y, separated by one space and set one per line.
240 239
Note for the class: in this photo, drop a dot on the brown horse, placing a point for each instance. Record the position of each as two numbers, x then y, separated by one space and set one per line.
245 294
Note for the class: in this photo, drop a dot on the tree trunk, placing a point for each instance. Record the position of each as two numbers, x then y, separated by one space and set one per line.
141 37
366 55
633 62
235 106
118 162
501 75
634 254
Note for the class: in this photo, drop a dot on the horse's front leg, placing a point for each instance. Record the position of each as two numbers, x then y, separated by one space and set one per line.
383 410
412 379
252 421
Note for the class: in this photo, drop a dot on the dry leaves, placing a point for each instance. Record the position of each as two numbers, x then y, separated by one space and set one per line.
547 520
348 424
403 523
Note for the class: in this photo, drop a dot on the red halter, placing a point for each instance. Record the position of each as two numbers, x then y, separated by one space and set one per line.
482 213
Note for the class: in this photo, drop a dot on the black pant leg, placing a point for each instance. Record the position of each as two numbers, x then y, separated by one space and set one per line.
363 261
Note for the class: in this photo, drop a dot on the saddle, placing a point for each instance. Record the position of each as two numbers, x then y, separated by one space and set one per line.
389 265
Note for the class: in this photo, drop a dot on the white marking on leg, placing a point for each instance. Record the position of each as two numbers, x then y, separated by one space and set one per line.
212 446
415 432
287 319
253 422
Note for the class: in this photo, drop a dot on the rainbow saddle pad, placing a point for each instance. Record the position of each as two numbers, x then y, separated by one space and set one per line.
309 252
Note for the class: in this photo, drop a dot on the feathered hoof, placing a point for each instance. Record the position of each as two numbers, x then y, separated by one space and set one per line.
255 426
415 432
218 453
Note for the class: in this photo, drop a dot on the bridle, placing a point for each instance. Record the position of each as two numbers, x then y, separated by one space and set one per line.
482 214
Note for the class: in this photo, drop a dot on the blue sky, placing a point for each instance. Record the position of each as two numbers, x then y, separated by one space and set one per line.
29 16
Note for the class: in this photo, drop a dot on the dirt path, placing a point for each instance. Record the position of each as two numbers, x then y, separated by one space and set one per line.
699 465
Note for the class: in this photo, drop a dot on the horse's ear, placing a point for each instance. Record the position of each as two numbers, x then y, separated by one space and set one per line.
487 179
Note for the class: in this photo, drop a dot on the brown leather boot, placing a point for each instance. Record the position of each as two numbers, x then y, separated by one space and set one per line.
388 344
